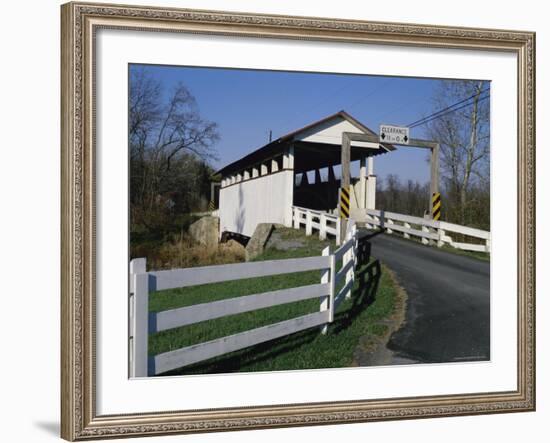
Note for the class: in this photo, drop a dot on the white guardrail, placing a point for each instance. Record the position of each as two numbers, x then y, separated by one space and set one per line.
427 229
323 222
143 323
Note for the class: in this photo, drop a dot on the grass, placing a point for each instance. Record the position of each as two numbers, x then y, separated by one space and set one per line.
484 256
174 248
373 299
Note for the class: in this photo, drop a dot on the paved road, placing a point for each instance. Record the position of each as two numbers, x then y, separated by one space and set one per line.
448 309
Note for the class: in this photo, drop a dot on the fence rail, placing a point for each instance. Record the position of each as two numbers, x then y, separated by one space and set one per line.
427 229
323 222
203 351
143 323
180 278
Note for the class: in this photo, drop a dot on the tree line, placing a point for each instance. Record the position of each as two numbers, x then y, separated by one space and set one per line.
461 125
413 198
171 148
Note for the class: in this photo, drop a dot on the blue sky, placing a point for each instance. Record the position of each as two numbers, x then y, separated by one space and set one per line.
247 104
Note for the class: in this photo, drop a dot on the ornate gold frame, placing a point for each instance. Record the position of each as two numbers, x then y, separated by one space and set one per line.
79 420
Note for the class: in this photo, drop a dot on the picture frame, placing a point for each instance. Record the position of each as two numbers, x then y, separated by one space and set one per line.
79 397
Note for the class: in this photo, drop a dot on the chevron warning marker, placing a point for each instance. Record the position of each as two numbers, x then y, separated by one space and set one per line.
436 206
344 203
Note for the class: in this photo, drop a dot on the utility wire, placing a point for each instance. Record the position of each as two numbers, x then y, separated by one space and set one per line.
329 96
418 99
370 94
326 97
444 110
435 117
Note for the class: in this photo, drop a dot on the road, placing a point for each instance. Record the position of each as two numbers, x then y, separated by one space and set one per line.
448 308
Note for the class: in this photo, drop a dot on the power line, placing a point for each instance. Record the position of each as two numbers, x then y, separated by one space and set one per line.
434 117
418 99
451 106
444 110
370 94
327 97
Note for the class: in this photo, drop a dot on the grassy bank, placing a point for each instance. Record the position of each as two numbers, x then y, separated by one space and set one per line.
484 256
174 248
373 299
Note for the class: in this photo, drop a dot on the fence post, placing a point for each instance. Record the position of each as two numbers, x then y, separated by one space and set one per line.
296 218
139 316
348 256
338 231
425 241
322 227
327 302
355 247
389 222
408 226
308 223
488 245
440 235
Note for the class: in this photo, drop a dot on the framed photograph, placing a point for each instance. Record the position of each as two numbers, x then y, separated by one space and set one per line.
283 221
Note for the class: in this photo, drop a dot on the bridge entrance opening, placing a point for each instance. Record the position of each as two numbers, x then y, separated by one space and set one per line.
318 176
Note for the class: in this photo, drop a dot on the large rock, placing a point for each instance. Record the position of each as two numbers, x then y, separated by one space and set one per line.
257 242
233 248
205 231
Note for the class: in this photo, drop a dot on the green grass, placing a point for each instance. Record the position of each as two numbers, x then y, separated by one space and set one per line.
373 299
474 254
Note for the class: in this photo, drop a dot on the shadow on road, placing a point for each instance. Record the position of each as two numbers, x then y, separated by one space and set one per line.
371 234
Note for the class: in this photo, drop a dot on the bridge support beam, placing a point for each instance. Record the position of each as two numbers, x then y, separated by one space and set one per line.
362 183
288 165
370 202
317 177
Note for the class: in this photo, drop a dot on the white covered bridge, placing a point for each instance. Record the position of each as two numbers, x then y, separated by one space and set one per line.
292 181
297 170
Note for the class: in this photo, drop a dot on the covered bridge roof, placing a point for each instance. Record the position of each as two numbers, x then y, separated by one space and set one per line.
321 139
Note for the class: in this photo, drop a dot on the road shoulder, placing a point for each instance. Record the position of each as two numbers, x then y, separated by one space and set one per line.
372 350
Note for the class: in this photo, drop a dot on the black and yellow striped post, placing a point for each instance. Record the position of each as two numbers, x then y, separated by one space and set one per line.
212 205
344 203
436 206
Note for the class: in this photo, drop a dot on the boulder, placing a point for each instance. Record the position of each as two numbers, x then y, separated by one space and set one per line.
205 231
233 247
257 242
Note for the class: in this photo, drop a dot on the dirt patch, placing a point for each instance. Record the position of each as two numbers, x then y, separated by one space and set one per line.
283 240
372 350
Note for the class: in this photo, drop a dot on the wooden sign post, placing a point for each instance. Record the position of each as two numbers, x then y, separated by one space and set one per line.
344 184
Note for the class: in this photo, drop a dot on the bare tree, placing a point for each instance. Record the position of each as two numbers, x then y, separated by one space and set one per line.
463 133
170 147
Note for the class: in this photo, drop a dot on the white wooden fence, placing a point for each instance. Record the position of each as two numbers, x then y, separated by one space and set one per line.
143 323
323 222
427 229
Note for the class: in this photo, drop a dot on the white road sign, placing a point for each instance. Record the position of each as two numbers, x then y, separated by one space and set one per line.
394 134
